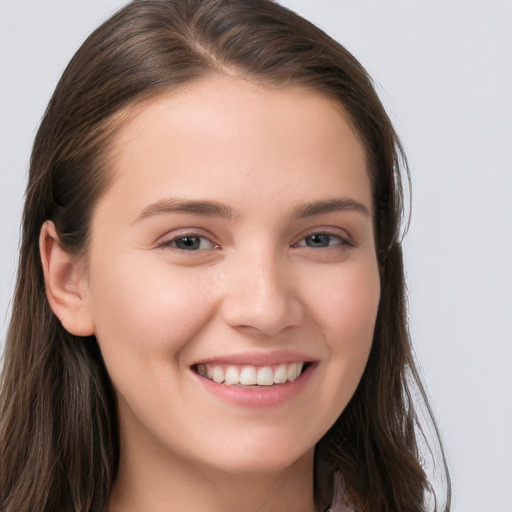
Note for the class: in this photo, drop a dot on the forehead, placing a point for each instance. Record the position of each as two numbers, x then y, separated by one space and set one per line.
232 131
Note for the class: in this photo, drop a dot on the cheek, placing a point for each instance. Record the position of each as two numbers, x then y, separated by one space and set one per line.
347 315
347 306
144 310
352 330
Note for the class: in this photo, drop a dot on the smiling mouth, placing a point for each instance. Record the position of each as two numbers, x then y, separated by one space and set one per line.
250 375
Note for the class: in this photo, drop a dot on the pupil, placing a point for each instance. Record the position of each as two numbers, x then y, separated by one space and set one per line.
188 242
317 240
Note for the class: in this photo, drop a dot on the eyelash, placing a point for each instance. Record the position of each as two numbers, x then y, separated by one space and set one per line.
303 242
341 241
172 243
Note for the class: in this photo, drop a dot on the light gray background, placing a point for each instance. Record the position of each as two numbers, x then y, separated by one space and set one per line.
443 70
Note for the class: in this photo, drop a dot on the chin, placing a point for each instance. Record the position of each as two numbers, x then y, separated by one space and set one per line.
259 462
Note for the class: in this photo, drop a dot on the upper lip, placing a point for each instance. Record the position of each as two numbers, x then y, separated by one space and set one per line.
258 358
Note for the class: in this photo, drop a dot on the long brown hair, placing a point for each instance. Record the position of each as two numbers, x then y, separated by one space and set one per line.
59 436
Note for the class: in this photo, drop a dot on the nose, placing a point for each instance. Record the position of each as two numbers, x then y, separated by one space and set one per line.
261 294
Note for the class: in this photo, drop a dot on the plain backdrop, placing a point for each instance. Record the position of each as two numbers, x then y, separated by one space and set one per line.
443 70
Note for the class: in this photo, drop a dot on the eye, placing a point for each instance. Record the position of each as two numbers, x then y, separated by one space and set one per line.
189 243
322 240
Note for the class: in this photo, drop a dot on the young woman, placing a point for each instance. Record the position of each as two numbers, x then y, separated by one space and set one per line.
210 309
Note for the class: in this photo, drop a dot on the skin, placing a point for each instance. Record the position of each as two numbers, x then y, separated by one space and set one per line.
253 285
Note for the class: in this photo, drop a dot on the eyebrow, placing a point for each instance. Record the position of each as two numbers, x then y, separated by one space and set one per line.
202 207
328 206
210 208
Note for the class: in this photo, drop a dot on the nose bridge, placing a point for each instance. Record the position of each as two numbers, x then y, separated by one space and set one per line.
260 292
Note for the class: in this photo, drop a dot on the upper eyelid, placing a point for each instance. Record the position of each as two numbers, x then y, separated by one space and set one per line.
184 232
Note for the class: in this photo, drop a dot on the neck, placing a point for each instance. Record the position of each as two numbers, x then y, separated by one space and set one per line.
162 482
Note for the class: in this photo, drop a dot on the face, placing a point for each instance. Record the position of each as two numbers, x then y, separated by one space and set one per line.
231 275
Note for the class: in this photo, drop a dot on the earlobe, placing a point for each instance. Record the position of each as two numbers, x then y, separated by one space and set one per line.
65 283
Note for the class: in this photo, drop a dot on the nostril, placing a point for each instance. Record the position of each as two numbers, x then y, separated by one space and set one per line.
268 317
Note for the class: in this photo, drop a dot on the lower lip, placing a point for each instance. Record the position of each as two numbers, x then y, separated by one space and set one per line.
261 396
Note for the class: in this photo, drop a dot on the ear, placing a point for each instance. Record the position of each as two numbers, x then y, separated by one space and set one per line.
65 283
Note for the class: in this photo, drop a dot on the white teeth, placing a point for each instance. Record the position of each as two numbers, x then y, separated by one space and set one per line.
248 376
218 374
280 375
265 376
291 373
233 375
294 371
